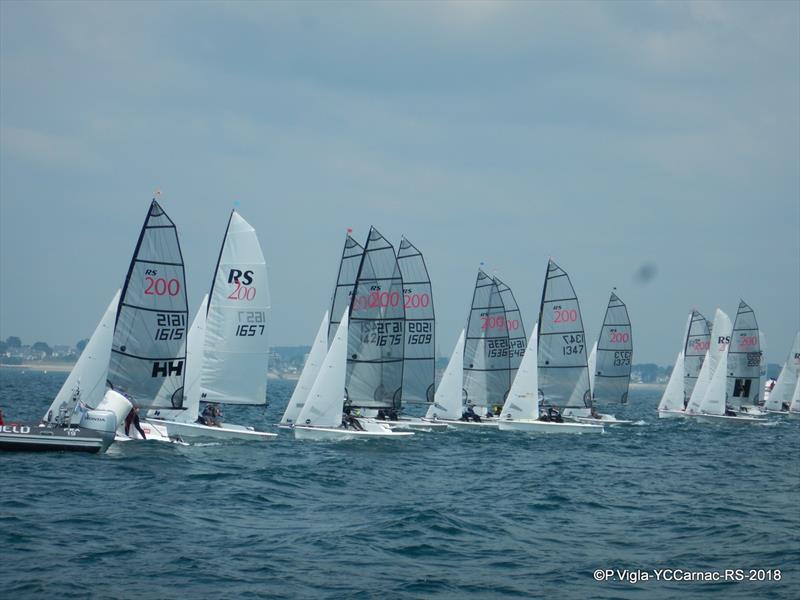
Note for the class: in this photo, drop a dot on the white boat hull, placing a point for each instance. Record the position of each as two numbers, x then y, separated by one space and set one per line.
726 419
671 414
418 424
604 420
309 432
228 431
531 426
457 424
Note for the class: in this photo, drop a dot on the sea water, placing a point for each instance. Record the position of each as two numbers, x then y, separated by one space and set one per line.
472 514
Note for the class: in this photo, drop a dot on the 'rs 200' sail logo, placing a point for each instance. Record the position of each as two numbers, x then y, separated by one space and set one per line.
167 368
243 277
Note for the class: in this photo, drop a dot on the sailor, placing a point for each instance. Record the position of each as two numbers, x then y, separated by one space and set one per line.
593 412
1 418
207 417
381 415
393 416
217 414
133 419
554 415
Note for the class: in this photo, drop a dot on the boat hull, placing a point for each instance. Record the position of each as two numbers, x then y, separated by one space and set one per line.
457 424
549 427
417 424
308 432
725 419
36 438
228 431
606 421
671 414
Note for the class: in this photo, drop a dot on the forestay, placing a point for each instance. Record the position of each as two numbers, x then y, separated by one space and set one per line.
148 354
698 337
517 339
563 372
523 398
612 373
486 346
790 374
345 282
236 353
376 333
87 380
419 357
744 359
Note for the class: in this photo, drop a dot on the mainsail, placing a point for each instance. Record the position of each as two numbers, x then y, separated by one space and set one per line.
148 352
517 339
486 347
345 282
563 371
376 333
612 370
419 358
698 338
236 351
744 359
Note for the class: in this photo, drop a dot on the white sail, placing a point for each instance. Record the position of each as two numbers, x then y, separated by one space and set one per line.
486 346
447 402
419 356
612 372
715 398
673 393
700 387
794 407
236 342
148 350
592 366
744 360
523 399
88 376
309 374
323 407
194 368
720 338
787 380
563 372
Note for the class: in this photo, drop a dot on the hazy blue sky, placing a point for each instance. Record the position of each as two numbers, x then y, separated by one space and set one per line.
605 135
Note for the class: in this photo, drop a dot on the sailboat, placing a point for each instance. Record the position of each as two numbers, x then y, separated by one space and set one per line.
419 354
228 342
744 363
563 367
609 364
794 406
148 352
320 418
521 409
77 419
780 398
448 399
687 367
718 344
714 407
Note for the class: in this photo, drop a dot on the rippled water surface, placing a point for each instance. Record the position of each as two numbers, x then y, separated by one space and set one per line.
447 515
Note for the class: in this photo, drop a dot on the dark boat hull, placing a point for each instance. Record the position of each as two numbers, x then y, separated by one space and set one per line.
37 438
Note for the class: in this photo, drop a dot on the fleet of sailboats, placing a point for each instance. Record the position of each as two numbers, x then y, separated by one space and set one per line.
373 356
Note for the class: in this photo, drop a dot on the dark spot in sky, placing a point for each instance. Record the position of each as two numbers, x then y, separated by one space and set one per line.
645 273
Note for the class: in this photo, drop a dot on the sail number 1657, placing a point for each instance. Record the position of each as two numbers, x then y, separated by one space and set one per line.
252 323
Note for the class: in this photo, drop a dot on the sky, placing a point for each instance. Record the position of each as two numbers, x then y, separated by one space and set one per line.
612 137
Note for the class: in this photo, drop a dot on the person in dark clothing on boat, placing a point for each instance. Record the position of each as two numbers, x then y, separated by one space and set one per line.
554 415
470 414
133 419
393 416
381 415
